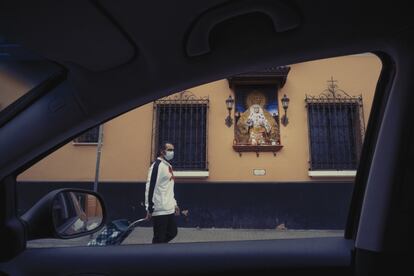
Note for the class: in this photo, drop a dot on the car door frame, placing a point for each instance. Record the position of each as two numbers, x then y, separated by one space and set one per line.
322 254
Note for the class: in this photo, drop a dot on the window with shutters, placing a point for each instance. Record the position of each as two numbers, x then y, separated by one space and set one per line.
90 137
336 129
182 120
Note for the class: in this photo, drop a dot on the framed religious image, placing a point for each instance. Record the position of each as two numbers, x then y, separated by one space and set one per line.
257 124
257 116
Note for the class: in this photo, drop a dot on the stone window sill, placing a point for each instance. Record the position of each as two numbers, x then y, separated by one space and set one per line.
191 174
332 173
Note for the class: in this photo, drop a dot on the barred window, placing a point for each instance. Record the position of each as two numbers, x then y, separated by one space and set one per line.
336 129
89 137
182 121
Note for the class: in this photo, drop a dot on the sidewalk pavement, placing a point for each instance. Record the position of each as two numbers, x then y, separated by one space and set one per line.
143 235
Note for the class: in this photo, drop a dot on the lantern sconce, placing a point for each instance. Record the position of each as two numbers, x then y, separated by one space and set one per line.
229 104
285 105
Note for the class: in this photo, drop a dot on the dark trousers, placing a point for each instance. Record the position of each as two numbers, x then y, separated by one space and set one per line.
165 228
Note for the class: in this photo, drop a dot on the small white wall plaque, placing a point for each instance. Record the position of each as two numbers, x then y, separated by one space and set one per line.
259 172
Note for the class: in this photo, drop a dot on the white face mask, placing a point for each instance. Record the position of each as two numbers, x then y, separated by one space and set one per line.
169 155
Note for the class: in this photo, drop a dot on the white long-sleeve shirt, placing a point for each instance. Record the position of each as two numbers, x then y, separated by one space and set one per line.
159 189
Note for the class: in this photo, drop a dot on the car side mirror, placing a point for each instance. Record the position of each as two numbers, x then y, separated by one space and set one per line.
65 214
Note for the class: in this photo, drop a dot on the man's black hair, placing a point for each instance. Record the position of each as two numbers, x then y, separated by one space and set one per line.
162 147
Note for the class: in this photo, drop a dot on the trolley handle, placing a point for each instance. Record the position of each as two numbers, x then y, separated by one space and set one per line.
135 223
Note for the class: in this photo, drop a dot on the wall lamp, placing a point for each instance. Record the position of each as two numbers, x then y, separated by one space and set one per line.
285 105
229 104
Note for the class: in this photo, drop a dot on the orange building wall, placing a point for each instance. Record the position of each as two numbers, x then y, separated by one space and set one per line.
127 139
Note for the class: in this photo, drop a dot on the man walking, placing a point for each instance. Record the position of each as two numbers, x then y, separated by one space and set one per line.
159 196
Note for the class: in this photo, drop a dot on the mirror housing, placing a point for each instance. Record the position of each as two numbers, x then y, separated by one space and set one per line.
60 214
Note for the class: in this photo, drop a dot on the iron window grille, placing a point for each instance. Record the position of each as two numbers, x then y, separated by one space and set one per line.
90 137
336 129
181 119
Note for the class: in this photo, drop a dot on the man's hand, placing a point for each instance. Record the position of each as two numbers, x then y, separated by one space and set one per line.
149 216
177 210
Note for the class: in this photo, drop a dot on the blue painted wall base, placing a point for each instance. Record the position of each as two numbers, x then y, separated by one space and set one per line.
299 205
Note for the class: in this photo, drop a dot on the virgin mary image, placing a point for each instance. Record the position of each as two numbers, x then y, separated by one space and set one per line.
256 126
